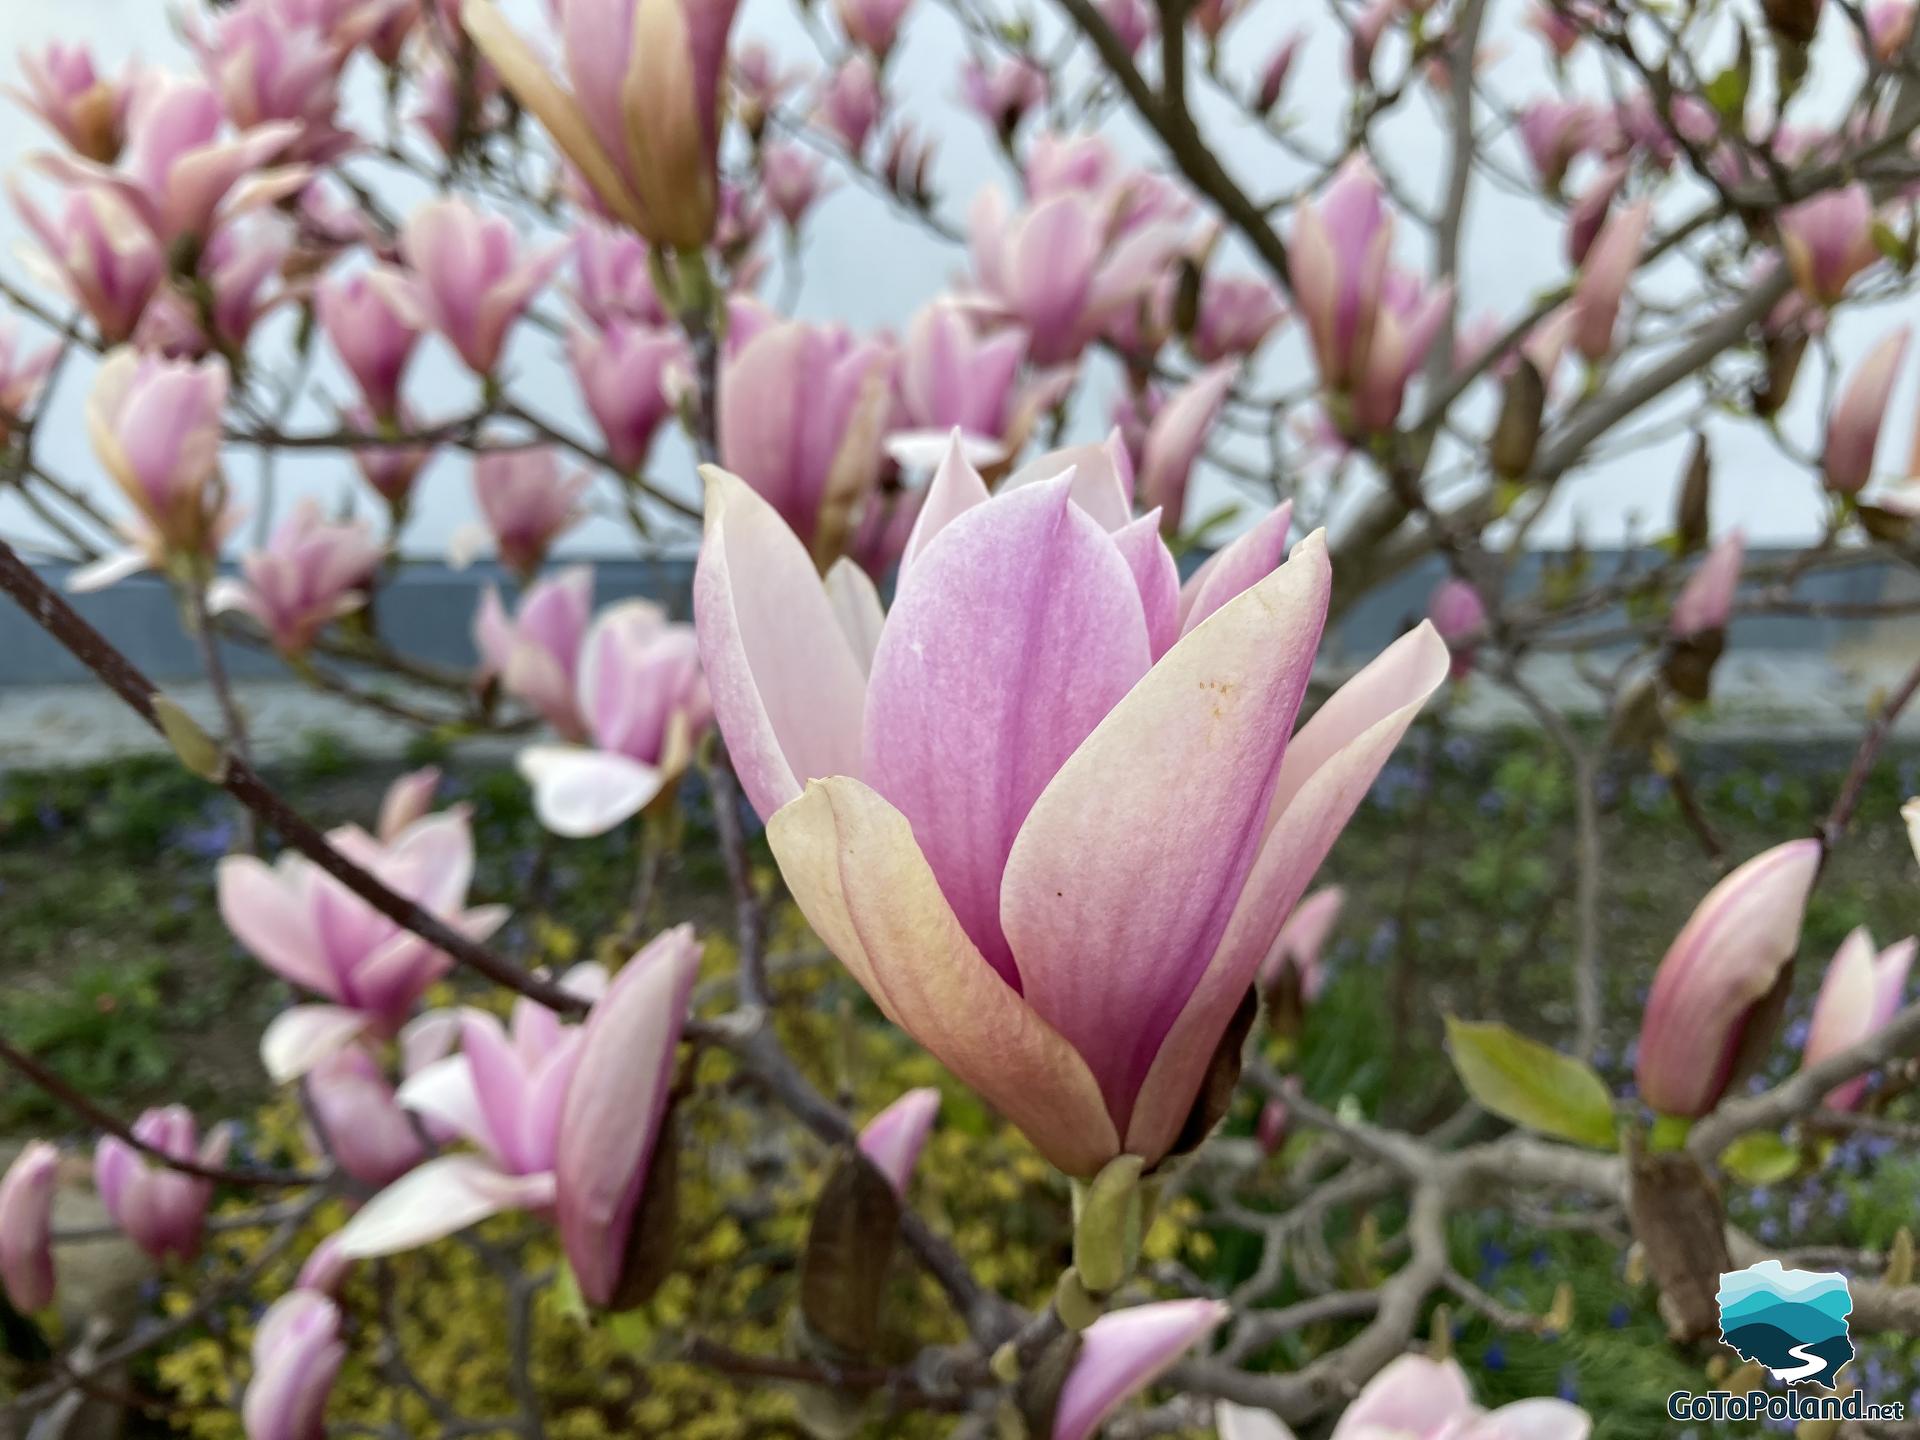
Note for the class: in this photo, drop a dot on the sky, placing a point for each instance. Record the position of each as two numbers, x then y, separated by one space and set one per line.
863 265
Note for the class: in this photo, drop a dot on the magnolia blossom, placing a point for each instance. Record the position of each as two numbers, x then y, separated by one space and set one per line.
1175 439
1604 276
308 928
1828 240
1861 993
182 171
97 251
373 335
1003 94
270 66
467 278
503 1093
851 102
872 24
1131 21
160 1209
641 124
952 376
1716 994
1122 1353
893 1139
1853 426
60 85
1056 268
613 1120
1415 1398
527 503
1459 614
310 574
1371 323
802 409
1297 948
623 372
1237 314
643 704
535 654
947 790
408 799
793 177
155 426
612 277
390 469
26 1226
1555 133
358 1120
22 372
1889 27
1273 75
297 1355
1705 602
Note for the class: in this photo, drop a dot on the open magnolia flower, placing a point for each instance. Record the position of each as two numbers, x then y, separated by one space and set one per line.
1046 811
1415 1398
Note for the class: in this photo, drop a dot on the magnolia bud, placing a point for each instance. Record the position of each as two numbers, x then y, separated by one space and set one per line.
1516 435
1691 512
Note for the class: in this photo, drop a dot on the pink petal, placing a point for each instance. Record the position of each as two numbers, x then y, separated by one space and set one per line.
1250 556
296 1040
436 1200
1124 1352
579 792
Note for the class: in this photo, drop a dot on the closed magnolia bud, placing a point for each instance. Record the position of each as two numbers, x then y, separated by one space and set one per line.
160 1209
1271 1129
1460 617
1717 995
1860 994
1691 512
26 1226
1705 602
1783 353
297 1354
892 1140
1853 428
1516 435
1122 1353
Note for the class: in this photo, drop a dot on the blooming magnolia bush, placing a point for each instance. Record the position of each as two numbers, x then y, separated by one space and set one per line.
1056 803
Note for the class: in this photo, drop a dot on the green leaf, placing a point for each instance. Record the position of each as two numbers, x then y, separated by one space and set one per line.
1727 92
1533 1086
1761 1158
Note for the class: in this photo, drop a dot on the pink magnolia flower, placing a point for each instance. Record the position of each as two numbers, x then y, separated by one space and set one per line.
324 1269
792 175
1371 323
60 85
851 103
359 1121
613 1117
389 469
801 414
1828 240
160 1209
622 371
182 171
26 1226
1368 28
893 1139
1555 133
1298 945
642 122
613 277
1710 1002
1004 94
952 376
237 268
97 251
1237 314
1604 277
408 799
527 503
1889 27
1861 993
311 573
1705 602
1459 614
1853 426
644 705
1558 25
269 66
1131 21
1273 76
1122 1353
373 335
502 1092
1415 1398
1590 210
469 278
297 1355
308 928
22 372
536 654
1177 437
1270 1133
873 25
944 788
155 426
1056 269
